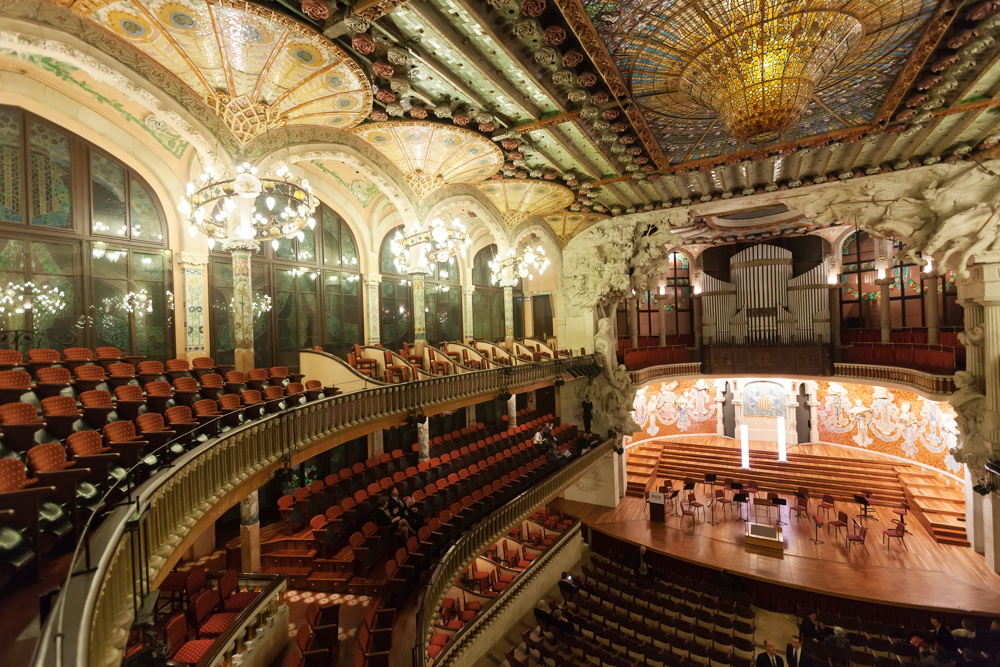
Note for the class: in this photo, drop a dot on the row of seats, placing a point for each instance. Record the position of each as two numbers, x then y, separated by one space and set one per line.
932 358
68 446
504 561
913 336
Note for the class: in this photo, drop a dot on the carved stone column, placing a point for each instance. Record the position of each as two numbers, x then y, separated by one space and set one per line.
372 282
972 318
467 330
931 311
512 410
884 316
193 269
508 315
242 302
633 321
419 311
813 419
249 534
423 441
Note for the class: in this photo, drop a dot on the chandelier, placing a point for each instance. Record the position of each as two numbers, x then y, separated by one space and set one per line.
16 299
435 241
524 262
756 65
137 302
248 208
262 303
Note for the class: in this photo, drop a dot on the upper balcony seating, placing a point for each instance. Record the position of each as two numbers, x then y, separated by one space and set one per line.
61 415
19 424
149 371
46 520
76 356
10 359
106 356
87 377
129 400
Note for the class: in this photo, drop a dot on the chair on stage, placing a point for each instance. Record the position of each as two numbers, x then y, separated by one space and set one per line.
751 488
720 497
839 522
694 505
858 537
688 511
899 532
828 504
801 506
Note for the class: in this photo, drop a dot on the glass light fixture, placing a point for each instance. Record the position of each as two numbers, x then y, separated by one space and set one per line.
137 302
522 262
435 241
248 207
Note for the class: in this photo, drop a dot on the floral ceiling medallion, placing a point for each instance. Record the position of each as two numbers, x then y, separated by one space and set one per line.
255 68
567 224
519 199
433 155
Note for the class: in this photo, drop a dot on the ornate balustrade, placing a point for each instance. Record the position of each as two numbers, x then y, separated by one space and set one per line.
137 544
904 377
475 540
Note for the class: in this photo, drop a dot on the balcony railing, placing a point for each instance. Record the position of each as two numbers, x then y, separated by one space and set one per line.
479 537
133 547
908 377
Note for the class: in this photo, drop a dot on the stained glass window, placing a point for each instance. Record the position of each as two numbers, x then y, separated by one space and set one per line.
11 167
395 299
51 182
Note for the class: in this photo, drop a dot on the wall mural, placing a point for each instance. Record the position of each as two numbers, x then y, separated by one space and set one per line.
891 421
764 399
673 408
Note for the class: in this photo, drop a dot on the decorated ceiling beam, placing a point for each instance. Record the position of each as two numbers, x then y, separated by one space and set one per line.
581 25
375 9
545 123
935 30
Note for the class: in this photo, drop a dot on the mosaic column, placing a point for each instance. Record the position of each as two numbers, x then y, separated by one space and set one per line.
193 269
250 534
884 315
508 314
242 302
419 311
423 441
467 329
375 443
512 411
372 282
931 311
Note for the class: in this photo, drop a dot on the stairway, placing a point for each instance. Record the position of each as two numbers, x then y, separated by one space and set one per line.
840 477
641 463
938 503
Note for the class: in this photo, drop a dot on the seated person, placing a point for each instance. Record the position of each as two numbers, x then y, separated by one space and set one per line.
383 517
967 630
543 614
809 629
941 635
567 587
939 657
838 638
399 508
562 623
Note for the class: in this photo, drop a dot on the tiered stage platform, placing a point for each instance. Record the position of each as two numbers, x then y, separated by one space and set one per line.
925 574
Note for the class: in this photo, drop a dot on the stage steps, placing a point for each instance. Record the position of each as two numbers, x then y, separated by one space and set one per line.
840 477
641 465
937 502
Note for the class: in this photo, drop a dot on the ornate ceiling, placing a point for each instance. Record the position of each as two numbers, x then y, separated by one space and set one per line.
563 96
519 199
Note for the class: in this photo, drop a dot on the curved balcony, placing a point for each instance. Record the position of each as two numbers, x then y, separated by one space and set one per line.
137 544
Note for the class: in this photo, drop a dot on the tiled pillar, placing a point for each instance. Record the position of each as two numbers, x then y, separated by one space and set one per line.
375 443
372 282
249 534
419 314
508 314
467 330
423 441
242 302
884 316
193 269
512 411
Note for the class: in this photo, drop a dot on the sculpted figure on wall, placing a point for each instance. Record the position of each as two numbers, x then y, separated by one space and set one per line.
951 212
974 422
605 343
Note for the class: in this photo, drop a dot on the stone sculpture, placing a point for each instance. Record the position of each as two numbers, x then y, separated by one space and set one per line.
974 420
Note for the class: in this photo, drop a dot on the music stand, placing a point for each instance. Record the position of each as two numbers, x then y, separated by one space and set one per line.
710 480
819 524
712 521
740 499
865 506
672 497
780 502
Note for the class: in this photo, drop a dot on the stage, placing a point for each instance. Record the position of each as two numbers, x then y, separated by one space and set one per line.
924 574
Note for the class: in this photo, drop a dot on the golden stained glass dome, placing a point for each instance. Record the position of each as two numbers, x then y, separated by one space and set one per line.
433 155
755 64
256 68
519 199
567 224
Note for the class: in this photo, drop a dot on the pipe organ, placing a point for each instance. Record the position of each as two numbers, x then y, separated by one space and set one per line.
764 304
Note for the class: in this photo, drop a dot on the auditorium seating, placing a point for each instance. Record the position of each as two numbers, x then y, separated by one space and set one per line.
939 359
636 359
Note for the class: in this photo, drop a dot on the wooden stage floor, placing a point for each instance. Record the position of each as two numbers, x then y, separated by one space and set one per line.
925 574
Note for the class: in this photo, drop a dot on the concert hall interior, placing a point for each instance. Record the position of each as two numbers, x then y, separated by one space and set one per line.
499 333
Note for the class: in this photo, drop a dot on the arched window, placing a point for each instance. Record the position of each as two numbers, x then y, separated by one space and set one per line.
307 293
83 257
673 295
487 299
395 299
443 302
858 291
